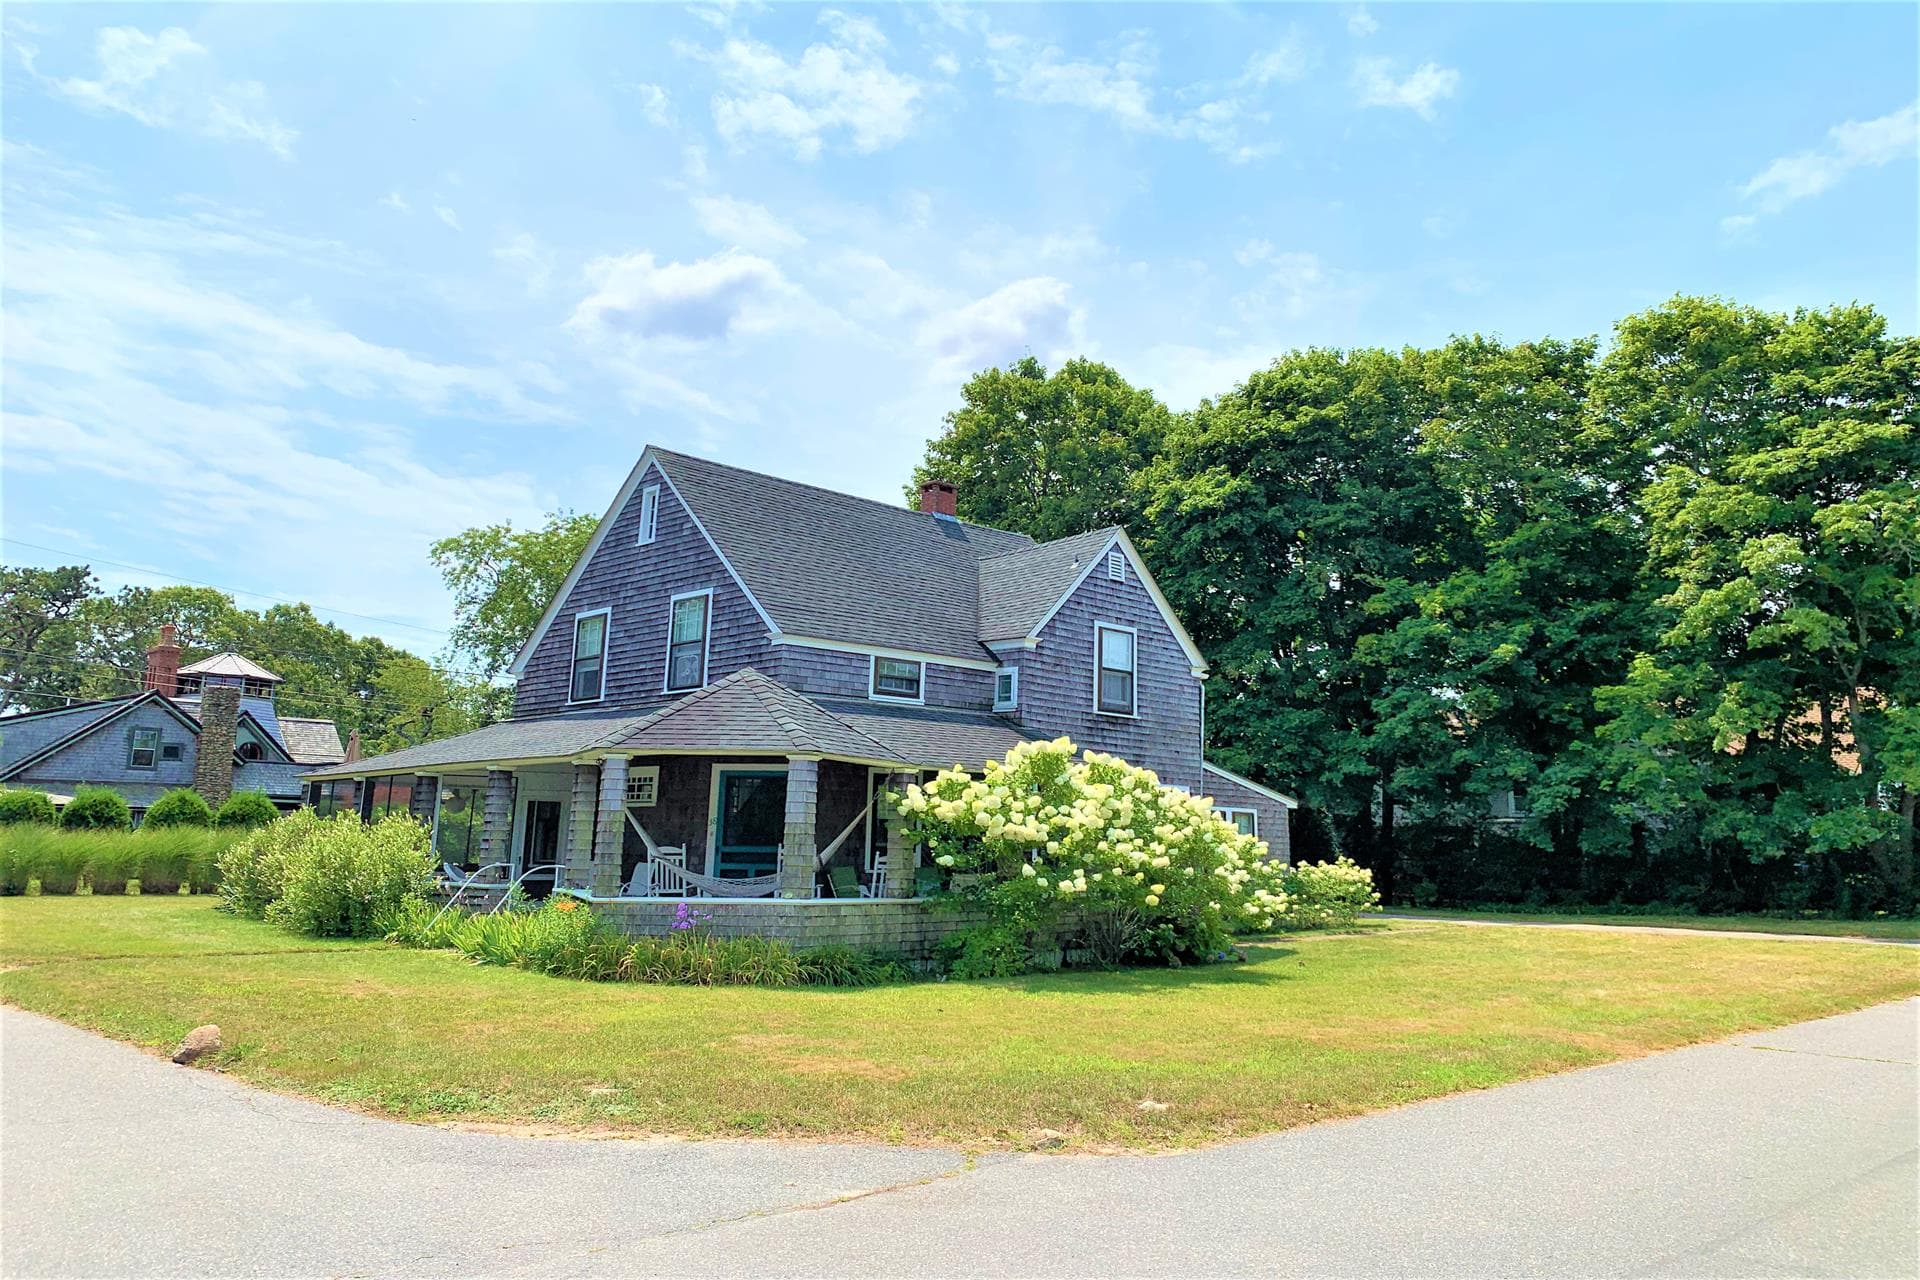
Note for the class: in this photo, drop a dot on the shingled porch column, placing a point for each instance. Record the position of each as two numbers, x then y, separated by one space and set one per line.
610 830
800 843
902 853
496 820
582 807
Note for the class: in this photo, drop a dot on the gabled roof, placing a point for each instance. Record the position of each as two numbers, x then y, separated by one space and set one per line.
1250 784
311 741
230 664
1017 590
113 711
835 567
749 712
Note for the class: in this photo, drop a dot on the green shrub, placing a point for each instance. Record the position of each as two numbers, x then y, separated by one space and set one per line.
347 877
246 809
835 965
95 808
182 807
985 951
112 860
253 871
61 864
22 806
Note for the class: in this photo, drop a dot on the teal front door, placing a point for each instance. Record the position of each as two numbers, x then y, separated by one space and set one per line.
751 820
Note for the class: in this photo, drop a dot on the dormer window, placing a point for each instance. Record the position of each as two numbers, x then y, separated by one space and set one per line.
896 680
687 640
649 514
144 749
1115 665
588 681
1006 689
1117 565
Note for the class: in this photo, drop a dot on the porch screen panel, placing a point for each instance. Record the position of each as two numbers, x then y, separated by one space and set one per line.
462 814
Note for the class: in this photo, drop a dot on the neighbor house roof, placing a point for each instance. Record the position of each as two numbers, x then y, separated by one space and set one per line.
311 741
833 566
230 664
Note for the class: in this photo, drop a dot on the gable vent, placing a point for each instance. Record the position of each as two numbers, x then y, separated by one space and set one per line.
1116 565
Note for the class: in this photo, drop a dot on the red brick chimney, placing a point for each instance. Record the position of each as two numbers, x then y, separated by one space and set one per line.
940 498
163 663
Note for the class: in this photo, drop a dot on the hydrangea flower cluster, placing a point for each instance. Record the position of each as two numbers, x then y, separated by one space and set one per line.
1050 831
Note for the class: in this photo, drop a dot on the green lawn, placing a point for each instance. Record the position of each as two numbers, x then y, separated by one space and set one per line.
1884 928
1312 1028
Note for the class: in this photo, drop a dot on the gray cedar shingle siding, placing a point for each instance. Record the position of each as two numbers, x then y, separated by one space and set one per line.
835 674
637 582
1056 683
100 758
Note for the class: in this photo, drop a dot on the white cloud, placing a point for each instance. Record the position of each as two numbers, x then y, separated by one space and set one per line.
1419 91
167 81
1852 145
1360 23
842 86
1253 251
1032 315
447 216
1298 279
527 257
743 223
655 103
1738 228
395 201
694 162
1285 63
708 299
946 64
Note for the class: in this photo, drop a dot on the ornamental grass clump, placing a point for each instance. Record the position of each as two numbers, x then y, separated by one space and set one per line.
1096 849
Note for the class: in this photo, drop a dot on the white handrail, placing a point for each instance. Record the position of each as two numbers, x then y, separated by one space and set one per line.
554 867
465 885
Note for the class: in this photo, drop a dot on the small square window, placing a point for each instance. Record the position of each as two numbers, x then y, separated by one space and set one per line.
1006 689
643 786
1245 821
170 751
896 678
649 513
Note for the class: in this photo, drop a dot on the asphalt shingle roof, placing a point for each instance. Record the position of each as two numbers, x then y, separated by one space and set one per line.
932 737
552 737
1018 588
749 712
837 567
311 741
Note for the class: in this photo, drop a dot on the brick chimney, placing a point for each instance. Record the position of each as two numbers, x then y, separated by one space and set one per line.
163 663
940 498
213 755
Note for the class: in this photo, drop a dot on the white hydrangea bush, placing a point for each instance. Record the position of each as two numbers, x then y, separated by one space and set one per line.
1050 830
1322 895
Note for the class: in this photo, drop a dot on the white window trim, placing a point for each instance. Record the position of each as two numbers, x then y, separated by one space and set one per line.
573 652
133 739
649 514
706 643
651 774
1230 812
1013 689
1134 713
873 681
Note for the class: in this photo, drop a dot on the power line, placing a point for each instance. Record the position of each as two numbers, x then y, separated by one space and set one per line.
237 591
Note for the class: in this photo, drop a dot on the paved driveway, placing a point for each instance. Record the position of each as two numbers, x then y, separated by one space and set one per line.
1786 1153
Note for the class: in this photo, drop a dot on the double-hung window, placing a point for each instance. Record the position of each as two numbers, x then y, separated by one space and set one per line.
1114 669
649 513
588 681
687 641
144 752
896 679
1245 821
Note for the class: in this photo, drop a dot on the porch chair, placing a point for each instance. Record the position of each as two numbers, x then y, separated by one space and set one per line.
846 882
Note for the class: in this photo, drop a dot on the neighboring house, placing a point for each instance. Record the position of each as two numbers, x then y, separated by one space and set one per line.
739 666
211 725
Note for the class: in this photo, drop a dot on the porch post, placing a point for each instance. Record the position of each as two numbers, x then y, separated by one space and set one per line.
610 831
902 853
496 820
800 842
581 808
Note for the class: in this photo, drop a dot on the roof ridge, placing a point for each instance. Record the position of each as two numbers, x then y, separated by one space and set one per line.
838 493
1108 529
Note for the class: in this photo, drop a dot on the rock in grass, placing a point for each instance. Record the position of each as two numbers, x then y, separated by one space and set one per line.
199 1042
1045 1139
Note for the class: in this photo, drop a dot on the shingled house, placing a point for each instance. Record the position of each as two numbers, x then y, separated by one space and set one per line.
739 667
212 725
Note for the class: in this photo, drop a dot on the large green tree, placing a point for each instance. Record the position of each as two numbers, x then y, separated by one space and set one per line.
503 579
38 635
1047 454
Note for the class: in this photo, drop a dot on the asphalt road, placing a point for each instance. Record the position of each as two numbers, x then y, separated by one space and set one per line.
1786 1153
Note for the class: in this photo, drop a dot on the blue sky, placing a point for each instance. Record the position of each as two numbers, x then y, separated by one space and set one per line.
291 291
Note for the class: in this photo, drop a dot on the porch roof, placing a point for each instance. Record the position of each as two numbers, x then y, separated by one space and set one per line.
745 712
